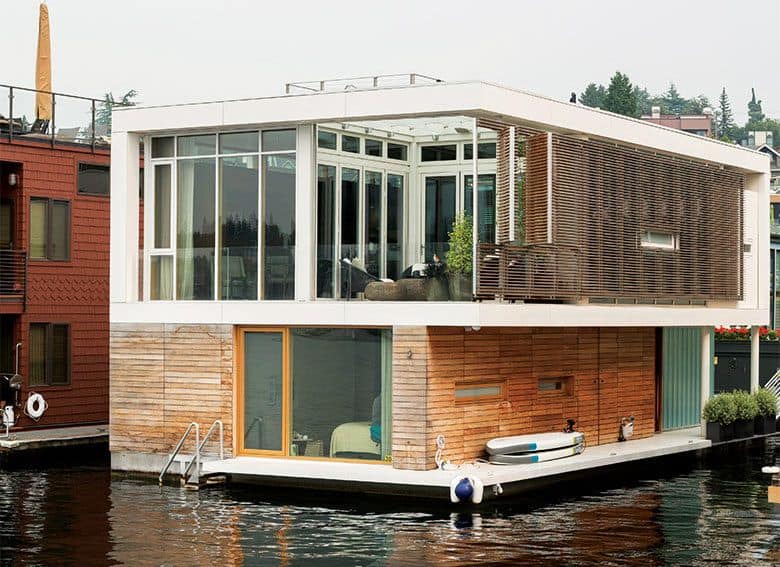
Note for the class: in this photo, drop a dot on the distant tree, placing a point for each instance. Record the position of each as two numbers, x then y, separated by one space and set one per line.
695 105
620 97
593 96
724 118
644 102
755 113
674 102
103 111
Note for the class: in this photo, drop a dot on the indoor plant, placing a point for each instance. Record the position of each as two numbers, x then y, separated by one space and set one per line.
719 413
460 258
765 421
747 409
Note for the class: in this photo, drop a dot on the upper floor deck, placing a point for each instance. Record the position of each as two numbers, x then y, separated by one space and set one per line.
328 207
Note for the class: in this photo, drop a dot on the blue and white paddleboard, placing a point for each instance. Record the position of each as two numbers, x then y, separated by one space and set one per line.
533 443
529 458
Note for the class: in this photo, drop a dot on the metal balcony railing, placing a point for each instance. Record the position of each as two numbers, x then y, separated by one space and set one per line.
74 119
13 276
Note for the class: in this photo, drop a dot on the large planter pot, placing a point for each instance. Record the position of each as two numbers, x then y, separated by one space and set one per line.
413 289
718 433
764 425
460 287
384 291
743 428
437 289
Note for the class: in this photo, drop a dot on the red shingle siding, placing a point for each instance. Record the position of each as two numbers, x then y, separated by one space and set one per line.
73 292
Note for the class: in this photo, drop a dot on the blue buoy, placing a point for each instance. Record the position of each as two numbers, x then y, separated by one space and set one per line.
464 489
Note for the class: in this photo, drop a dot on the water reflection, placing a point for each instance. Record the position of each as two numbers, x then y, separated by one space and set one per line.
714 512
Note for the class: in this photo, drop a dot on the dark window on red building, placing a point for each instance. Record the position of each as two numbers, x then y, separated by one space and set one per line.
94 179
49 354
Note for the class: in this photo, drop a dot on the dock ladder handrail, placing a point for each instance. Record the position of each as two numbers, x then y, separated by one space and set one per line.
179 445
217 423
774 385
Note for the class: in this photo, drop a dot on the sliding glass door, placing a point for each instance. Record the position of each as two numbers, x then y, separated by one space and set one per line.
316 392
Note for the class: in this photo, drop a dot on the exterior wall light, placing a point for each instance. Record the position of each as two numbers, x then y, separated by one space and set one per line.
13 179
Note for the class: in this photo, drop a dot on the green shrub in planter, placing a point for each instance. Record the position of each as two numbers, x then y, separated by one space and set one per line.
765 423
460 257
720 412
747 410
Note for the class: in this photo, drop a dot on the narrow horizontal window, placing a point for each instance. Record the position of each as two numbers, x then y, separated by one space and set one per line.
485 150
479 391
448 152
279 141
397 151
239 143
350 144
557 385
202 145
658 239
326 140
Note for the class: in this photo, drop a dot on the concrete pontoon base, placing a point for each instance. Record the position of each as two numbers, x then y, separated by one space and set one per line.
384 479
55 437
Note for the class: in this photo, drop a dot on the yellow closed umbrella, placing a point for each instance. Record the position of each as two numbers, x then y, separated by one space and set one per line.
43 67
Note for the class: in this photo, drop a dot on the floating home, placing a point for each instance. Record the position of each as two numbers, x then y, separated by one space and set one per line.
290 279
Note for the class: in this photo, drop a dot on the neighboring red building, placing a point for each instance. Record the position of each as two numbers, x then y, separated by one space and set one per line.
699 124
54 263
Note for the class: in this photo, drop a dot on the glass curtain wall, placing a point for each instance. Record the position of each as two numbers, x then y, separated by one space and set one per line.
395 225
350 227
195 223
440 207
373 223
326 228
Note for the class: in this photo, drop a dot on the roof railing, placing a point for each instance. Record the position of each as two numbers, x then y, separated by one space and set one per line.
369 81
74 119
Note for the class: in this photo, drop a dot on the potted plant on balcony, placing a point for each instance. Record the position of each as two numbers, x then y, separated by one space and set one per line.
436 281
719 413
460 258
747 409
765 421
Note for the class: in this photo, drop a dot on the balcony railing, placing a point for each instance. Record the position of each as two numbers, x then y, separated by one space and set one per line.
543 272
74 119
13 276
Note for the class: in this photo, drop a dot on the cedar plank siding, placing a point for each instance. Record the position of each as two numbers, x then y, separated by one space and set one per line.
73 292
613 370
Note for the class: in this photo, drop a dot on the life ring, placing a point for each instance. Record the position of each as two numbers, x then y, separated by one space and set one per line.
35 406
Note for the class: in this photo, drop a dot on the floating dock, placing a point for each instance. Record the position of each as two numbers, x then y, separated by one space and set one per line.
56 437
497 479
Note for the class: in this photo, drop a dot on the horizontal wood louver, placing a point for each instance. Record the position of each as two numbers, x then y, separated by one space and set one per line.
605 198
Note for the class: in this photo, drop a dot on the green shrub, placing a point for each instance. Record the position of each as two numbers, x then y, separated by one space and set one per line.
720 409
747 408
766 401
459 258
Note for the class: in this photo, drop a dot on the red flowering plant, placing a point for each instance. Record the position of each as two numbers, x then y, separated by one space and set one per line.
743 334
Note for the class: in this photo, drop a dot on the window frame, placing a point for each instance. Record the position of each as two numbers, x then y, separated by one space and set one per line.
477 384
49 242
645 242
90 193
49 352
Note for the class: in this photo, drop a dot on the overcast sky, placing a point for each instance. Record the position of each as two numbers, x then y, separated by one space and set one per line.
180 51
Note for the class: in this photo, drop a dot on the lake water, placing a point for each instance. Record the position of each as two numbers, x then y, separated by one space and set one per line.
710 511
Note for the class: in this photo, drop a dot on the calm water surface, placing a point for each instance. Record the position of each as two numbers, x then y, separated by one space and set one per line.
708 512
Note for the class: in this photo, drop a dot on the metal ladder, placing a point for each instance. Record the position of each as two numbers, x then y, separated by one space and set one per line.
190 477
774 385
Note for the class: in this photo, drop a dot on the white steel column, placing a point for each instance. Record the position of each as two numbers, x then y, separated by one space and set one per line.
549 187
512 181
755 351
305 214
706 360
474 204
124 217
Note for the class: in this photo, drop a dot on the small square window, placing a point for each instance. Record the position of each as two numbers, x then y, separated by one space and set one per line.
326 140
162 147
397 151
205 145
238 143
374 147
94 179
350 144
279 141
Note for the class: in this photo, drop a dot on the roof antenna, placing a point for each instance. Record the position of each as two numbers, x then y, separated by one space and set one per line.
573 98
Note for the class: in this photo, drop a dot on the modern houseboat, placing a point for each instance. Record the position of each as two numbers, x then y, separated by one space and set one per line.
291 280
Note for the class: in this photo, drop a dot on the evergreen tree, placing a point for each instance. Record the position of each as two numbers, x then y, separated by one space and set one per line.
620 97
755 113
103 111
724 121
643 101
674 102
695 105
593 96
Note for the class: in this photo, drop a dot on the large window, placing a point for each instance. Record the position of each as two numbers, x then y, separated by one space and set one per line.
486 201
231 199
440 208
94 179
49 229
326 229
372 223
317 392
49 354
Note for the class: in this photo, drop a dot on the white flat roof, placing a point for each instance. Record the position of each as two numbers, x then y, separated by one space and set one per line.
438 99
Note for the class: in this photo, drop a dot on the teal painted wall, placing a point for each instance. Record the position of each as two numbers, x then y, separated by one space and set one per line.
681 352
